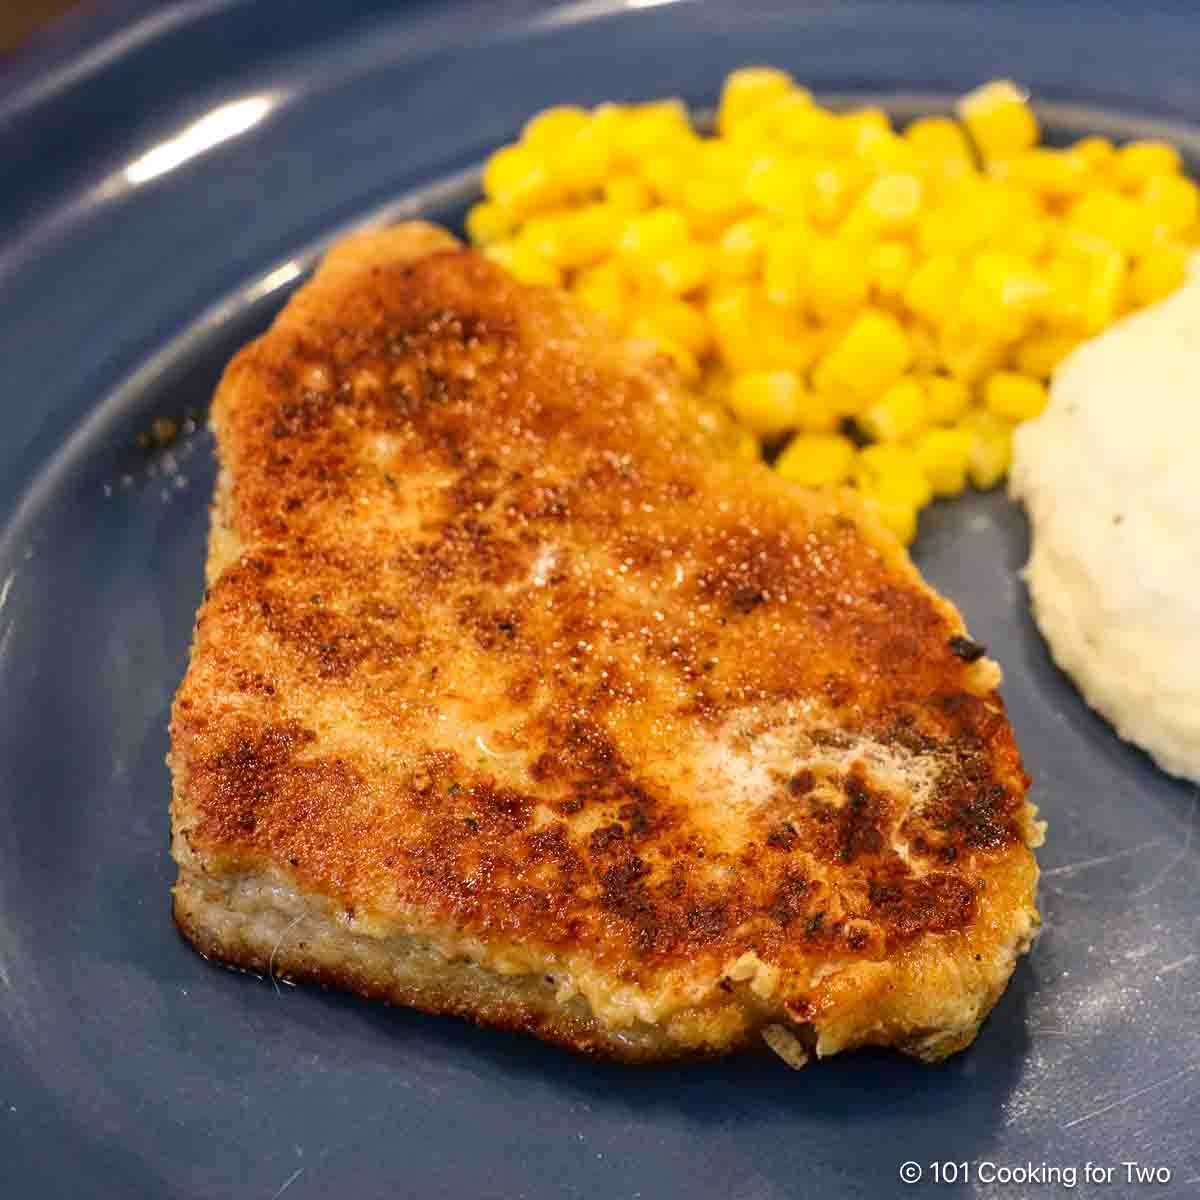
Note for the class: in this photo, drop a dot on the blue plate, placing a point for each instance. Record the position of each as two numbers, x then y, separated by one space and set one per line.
169 173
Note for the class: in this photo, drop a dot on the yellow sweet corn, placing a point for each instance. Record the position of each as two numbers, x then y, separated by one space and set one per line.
785 264
553 126
836 280
816 460
519 180
873 352
945 455
807 267
889 267
1014 396
524 263
1172 202
896 513
650 234
767 402
741 248
898 414
626 192
682 270
1158 272
999 119
896 471
892 202
748 91
946 399
1118 219
778 186
1040 353
1138 161
991 448
487 222
603 289
1098 151
675 321
932 289
941 145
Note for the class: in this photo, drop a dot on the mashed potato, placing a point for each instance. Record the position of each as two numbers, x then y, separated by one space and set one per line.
1111 479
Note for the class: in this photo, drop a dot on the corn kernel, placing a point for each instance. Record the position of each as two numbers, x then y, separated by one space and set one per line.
859 129
887 469
488 222
889 266
946 398
836 281
873 352
932 291
893 201
1115 218
1099 152
1006 292
649 128
681 357
924 346
603 289
1158 272
1055 173
778 186
554 125
783 338
1105 284
581 163
711 203
588 235
740 250
524 263
746 448
754 335
785 264
625 191
682 270
1013 396
518 180
659 231
768 402
999 119
1172 201
895 513
1040 353
1138 161
667 174
945 455
818 415
831 188
674 321
941 145
991 449
898 414
794 122
966 353
816 460
749 90
731 316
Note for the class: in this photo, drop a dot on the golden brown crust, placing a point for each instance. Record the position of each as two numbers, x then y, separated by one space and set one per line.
501 638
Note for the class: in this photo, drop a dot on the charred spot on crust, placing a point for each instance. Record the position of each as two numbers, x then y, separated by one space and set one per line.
966 649
934 903
783 837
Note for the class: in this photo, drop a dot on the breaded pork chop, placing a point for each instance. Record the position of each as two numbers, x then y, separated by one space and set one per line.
516 693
